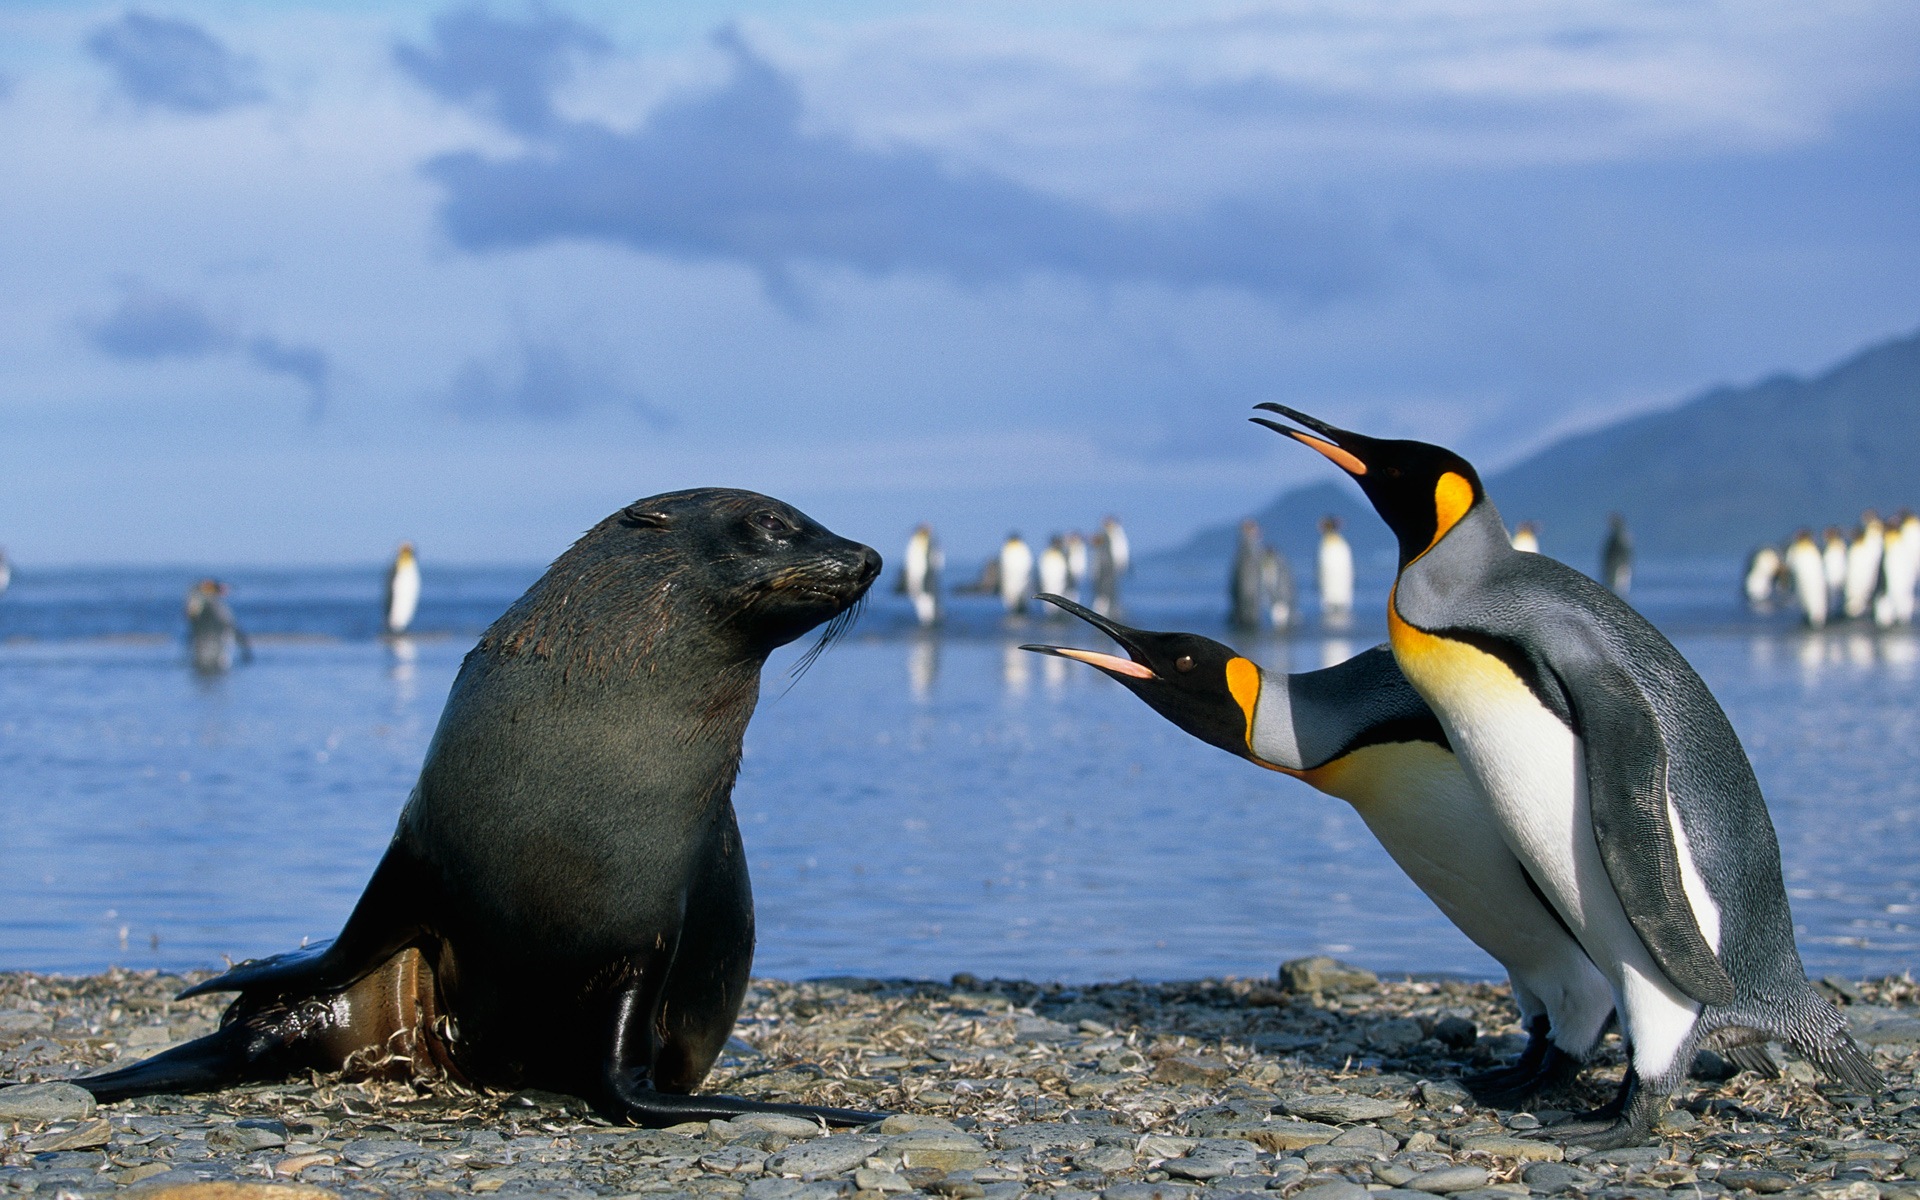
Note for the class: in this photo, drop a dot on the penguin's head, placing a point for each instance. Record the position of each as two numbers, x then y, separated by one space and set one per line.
1420 490
1205 688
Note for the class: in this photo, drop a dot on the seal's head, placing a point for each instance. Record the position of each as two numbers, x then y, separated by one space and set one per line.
725 573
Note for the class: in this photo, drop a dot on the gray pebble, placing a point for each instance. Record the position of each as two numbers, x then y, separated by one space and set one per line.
1333 1191
1107 1159
1147 1191
825 1156
735 1160
1448 1179
1444 1094
1340 1109
794 1189
45 1102
1368 1137
1551 1177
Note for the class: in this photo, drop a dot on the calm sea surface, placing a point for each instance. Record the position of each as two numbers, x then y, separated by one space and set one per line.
914 806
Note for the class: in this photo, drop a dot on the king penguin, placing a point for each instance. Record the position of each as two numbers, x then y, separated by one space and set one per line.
1616 777
1336 574
1358 731
1863 566
1764 569
1526 538
403 589
1807 568
920 579
1244 580
1016 574
1055 572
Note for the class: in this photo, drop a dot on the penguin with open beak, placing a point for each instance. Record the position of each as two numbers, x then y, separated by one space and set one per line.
1358 731
1613 772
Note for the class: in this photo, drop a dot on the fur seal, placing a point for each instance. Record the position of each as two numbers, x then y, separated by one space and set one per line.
565 903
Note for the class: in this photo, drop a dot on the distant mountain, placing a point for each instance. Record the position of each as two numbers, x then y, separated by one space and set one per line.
1720 474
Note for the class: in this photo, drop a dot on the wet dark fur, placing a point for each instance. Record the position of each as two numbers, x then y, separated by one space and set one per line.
565 904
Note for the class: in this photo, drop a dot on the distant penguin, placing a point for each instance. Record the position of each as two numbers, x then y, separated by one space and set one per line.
921 577
1807 569
1863 566
1902 582
1359 731
403 589
1276 580
1833 555
1117 545
1106 572
6 570
1618 780
1336 573
1016 574
1526 538
212 633
1079 562
1244 579
1764 569
1616 556
1055 571
1893 602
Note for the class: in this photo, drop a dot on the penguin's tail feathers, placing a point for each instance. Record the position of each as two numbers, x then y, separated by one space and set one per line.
1755 1058
237 1052
1842 1060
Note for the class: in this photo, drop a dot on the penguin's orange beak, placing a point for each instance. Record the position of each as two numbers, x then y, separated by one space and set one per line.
1346 460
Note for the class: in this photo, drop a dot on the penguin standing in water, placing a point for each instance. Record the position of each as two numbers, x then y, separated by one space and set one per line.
1336 574
1244 582
1276 580
1118 548
212 633
1078 563
1833 556
920 579
1763 576
1054 569
403 590
1526 538
1360 732
1616 556
1807 568
1107 566
1899 566
1016 574
1615 775
6 570
1863 566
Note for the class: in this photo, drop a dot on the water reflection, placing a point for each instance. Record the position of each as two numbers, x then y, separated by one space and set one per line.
1053 672
1016 666
923 666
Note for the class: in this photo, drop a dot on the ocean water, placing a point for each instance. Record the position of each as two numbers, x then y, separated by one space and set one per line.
915 805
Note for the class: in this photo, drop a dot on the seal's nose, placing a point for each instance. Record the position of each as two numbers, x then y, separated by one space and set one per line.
867 565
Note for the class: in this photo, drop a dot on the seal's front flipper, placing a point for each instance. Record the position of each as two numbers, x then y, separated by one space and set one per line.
237 1052
634 1099
387 917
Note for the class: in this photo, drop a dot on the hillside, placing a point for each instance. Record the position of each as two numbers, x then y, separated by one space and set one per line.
1719 474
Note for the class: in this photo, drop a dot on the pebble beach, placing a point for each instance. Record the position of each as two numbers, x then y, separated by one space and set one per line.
1322 1082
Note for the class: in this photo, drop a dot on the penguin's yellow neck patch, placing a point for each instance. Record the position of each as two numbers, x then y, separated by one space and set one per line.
1452 497
1243 681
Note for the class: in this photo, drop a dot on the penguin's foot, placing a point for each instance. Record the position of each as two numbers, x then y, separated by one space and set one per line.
636 1100
1513 1086
1626 1120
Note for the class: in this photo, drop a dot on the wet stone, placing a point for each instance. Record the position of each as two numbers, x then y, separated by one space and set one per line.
45 1102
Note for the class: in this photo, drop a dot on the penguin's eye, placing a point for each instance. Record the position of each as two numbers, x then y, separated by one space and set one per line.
1183 664
772 522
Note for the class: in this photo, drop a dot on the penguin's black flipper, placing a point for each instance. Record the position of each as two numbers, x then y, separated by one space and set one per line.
389 915
1626 761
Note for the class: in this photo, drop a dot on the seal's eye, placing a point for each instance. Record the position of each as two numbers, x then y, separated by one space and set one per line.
1184 663
772 522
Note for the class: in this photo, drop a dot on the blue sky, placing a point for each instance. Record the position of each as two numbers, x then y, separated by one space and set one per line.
287 283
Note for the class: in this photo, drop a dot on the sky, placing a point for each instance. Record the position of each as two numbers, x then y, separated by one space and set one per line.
287 283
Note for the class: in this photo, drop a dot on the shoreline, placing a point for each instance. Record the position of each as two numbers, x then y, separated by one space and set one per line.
1342 1089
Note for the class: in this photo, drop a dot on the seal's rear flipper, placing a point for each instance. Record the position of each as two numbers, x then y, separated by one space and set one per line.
636 1100
232 1054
